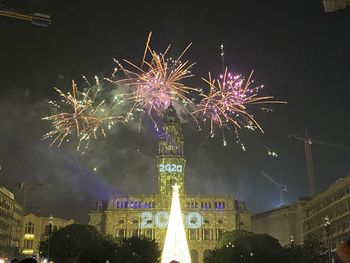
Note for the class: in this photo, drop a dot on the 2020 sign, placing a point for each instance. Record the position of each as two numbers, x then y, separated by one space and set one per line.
170 168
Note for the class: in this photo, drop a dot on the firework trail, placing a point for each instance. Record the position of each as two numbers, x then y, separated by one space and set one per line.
79 114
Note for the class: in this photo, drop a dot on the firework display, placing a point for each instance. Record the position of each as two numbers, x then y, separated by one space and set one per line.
150 88
226 104
79 114
157 82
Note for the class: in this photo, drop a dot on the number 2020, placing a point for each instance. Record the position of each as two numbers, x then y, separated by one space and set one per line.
170 168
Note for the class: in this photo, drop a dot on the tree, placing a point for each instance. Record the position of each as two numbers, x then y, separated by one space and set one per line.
83 243
80 243
311 251
137 250
244 246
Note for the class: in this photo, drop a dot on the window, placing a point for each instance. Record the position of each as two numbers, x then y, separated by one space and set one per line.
149 233
219 233
121 233
135 221
206 221
192 234
29 228
134 232
121 221
220 221
206 234
28 244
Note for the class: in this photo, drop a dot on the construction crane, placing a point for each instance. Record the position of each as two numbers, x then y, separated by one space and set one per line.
37 19
281 188
308 156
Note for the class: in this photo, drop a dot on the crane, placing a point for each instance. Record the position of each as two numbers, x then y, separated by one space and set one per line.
281 188
308 156
37 19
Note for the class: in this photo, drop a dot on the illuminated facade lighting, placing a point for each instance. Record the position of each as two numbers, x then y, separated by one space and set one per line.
29 236
28 251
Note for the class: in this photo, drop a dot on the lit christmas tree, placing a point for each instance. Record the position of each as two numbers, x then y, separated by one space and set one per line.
175 246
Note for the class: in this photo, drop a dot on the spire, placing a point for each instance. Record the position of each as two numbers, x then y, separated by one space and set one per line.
175 246
171 141
170 116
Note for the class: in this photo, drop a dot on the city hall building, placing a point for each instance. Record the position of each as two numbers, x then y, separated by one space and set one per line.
205 217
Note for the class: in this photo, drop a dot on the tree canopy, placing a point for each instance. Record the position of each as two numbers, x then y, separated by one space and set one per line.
83 243
243 246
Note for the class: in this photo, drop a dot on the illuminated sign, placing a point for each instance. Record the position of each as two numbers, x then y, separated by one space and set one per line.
170 168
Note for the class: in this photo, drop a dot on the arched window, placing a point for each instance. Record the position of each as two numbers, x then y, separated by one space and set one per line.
223 204
219 205
126 204
132 204
194 256
140 204
118 204
215 204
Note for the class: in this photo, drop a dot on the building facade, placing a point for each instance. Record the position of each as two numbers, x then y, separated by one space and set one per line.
284 223
335 204
306 219
206 218
35 229
11 213
334 5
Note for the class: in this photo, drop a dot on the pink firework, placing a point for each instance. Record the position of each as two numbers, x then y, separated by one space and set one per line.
226 105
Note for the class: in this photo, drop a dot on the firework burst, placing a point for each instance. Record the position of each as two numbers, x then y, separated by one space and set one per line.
226 104
79 114
157 82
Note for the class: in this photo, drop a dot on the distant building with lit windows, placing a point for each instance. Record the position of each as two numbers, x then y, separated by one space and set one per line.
334 203
335 5
206 218
11 213
305 219
35 229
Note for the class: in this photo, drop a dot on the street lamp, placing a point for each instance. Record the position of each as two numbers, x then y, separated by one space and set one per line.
327 224
49 238
230 245
251 254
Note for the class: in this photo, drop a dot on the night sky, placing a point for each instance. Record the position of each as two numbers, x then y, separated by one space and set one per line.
300 53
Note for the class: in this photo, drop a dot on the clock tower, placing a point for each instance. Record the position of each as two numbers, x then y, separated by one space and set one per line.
170 160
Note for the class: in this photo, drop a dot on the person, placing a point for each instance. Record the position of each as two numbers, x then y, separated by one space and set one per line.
28 260
15 260
342 253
